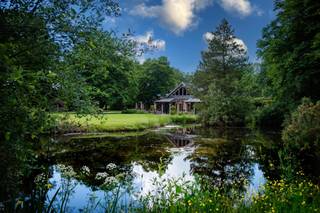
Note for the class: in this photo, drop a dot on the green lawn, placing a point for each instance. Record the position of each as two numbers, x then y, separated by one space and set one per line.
71 122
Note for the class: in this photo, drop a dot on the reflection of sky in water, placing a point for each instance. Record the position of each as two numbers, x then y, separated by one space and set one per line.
257 180
178 167
143 180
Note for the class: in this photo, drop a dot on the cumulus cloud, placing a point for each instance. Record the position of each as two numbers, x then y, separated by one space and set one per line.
209 36
178 15
241 7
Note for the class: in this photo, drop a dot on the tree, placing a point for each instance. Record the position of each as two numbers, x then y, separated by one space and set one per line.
217 79
289 49
106 64
156 79
34 36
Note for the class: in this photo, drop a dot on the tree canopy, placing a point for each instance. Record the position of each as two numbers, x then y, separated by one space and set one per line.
289 49
157 78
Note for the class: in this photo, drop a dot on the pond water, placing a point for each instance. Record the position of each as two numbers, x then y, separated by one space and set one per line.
97 168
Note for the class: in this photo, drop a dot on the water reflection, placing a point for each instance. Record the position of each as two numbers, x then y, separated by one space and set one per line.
235 159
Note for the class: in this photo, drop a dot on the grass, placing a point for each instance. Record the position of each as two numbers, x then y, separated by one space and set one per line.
276 196
116 122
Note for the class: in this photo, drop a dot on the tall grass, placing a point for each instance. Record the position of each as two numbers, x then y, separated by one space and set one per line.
275 196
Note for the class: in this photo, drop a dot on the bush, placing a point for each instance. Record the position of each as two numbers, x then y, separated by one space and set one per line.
270 116
301 136
133 111
221 109
183 119
173 109
302 130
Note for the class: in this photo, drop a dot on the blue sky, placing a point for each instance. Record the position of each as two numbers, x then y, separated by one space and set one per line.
177 27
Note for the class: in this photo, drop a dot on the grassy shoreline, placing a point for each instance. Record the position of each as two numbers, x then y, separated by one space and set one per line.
116 122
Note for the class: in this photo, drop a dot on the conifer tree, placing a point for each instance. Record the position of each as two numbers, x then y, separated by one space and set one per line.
217 78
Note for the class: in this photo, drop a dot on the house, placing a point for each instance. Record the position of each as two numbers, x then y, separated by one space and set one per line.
179 99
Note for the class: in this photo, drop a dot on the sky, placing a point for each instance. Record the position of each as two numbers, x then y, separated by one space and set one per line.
178 28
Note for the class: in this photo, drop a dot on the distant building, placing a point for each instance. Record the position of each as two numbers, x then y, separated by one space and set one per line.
179 99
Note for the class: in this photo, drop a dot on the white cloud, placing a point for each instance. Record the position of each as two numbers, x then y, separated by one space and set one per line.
147 40
242 7
178 15
145 11
146 44
209 36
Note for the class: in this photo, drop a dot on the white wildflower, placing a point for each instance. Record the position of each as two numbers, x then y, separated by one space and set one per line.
66 171
101 175
110 180
85 170
111 166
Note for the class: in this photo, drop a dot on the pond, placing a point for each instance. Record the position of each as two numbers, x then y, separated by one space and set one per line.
96 170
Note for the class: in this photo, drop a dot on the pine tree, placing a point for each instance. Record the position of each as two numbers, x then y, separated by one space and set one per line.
217 78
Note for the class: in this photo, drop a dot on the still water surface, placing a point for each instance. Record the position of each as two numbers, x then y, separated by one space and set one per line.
133 163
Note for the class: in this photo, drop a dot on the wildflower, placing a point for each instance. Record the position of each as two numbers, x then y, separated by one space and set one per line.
189 202
101 175
66 171
49 186
111 166
110 180
85 170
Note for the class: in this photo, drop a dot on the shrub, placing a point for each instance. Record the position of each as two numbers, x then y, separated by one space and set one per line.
270 116
221 109
173 109
184 119
301 134
302 130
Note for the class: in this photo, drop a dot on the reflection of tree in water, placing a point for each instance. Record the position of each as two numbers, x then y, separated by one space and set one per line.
19 166
96 153
292 161
223 159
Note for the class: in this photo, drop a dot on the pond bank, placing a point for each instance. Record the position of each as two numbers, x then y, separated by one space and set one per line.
75 123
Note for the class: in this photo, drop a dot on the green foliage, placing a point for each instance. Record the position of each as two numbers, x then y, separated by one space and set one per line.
289 50
277 196
284 196
268 115
184 119
173 109
34 36
301 134
218 80
106 64
156 78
